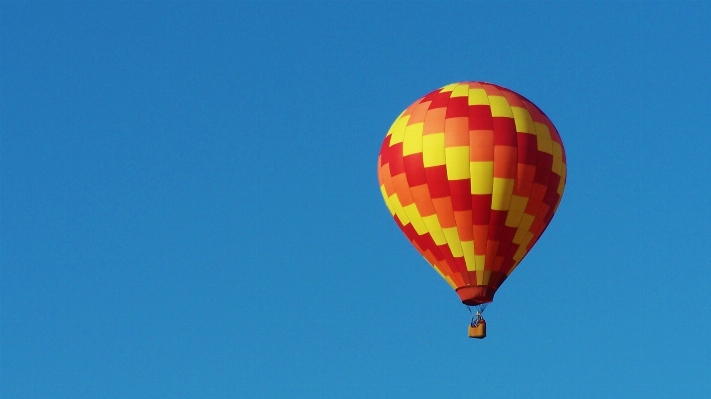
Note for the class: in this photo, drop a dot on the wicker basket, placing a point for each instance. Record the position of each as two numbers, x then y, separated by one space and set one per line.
479 331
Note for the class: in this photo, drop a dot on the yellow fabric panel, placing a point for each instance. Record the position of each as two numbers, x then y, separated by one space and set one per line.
482 174
524 122
455 245
449 87
518 203
501 196
487 275
461 90
414 216
412 143
521 252
457 160
515 265
480 261
439 271
478 97
543 138
500 107
387 201
397 120
482 277
468 249
435 229
561 185
513 218
448 280
433 149
523 227
398 130
557 158
399 210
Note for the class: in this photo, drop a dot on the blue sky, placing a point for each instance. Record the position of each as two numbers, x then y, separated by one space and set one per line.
190 208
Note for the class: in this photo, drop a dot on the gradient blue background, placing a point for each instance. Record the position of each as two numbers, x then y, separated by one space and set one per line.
190 206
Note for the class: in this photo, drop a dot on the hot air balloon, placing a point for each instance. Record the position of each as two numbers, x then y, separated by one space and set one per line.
472 173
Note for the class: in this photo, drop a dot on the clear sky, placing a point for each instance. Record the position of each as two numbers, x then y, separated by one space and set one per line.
190 207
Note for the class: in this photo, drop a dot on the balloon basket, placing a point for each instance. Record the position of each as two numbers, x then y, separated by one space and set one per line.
479 331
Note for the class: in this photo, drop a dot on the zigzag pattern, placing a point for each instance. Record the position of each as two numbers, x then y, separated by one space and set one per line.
472 174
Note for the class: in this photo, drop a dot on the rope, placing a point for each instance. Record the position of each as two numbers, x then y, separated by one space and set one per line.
478 317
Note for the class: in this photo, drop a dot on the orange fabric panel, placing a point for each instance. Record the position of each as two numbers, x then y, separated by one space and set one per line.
434 121
457 132
505 161
421 196
418 113
445 213
464 225
481 145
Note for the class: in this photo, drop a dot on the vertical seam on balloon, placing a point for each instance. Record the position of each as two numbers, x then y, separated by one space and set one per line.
494 268
465 271
491 187
510 243
455 266
491 210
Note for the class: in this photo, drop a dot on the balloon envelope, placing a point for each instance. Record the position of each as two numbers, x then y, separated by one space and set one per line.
472 174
